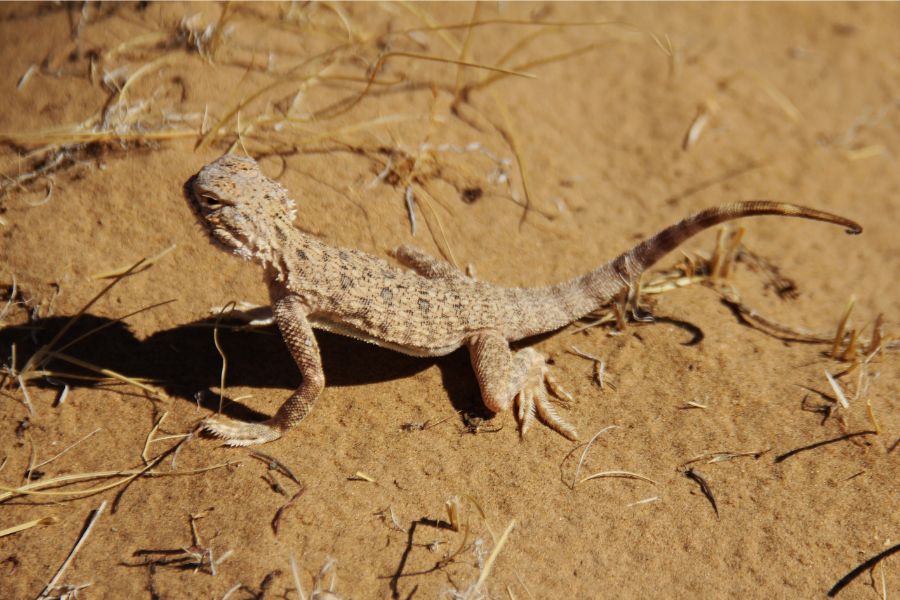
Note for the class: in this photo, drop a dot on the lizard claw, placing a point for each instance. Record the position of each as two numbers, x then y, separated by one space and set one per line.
239 433
533 399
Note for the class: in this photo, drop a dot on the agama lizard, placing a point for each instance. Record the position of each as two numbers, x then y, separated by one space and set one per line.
429 309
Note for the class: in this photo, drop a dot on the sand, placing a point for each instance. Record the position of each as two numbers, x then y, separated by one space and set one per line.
109 109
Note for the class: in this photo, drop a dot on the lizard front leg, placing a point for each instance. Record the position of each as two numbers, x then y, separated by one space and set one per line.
524 376
290 314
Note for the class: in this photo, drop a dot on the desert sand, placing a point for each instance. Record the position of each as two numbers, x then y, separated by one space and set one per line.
527 143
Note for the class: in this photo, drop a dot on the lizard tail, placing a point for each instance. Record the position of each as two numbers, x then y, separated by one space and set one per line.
627 266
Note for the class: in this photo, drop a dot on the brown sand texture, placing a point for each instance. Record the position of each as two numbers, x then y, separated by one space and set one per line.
741 405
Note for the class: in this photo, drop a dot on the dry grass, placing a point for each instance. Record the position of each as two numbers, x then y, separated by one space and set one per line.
81 539
36 367
291 101
324 98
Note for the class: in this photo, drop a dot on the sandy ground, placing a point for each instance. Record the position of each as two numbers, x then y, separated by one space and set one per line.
109 109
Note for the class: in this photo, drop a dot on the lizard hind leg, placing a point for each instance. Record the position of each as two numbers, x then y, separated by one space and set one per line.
522 377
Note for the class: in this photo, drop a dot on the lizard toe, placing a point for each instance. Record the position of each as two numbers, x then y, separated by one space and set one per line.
534 397
525 400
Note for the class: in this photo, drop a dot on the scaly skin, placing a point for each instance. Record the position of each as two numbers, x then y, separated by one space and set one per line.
429 310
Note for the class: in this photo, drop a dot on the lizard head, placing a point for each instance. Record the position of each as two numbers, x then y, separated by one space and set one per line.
242 210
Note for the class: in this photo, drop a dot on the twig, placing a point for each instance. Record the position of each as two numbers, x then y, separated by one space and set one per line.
273 463
866 565
814 445
276 521
704 487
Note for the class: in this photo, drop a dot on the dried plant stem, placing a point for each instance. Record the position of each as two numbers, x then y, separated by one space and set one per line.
489 563
81 539
28 525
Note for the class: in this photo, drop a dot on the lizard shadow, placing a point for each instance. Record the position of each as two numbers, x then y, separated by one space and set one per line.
183 361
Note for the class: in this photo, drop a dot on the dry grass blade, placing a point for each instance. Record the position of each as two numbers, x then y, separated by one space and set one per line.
30 490
838 391
842 328
149 440
11 300
81 539
225 310
695 404
714 457
213 131
42 352
360 476
108 372
644 501
599 366
622 474
63 451
144 70
465 49
295 573
777 96
69 134
439 28
112 322
344 107
538 62
32 368
489 563
28 525
584 453
26 398
730 253
362 126
145 264
437 230
36 488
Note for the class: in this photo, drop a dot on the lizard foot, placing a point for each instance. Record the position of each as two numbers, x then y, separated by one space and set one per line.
533 399
240 433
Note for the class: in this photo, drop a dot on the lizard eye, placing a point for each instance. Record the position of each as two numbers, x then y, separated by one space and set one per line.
210 202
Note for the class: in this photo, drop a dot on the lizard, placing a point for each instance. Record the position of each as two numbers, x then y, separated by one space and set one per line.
426 307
